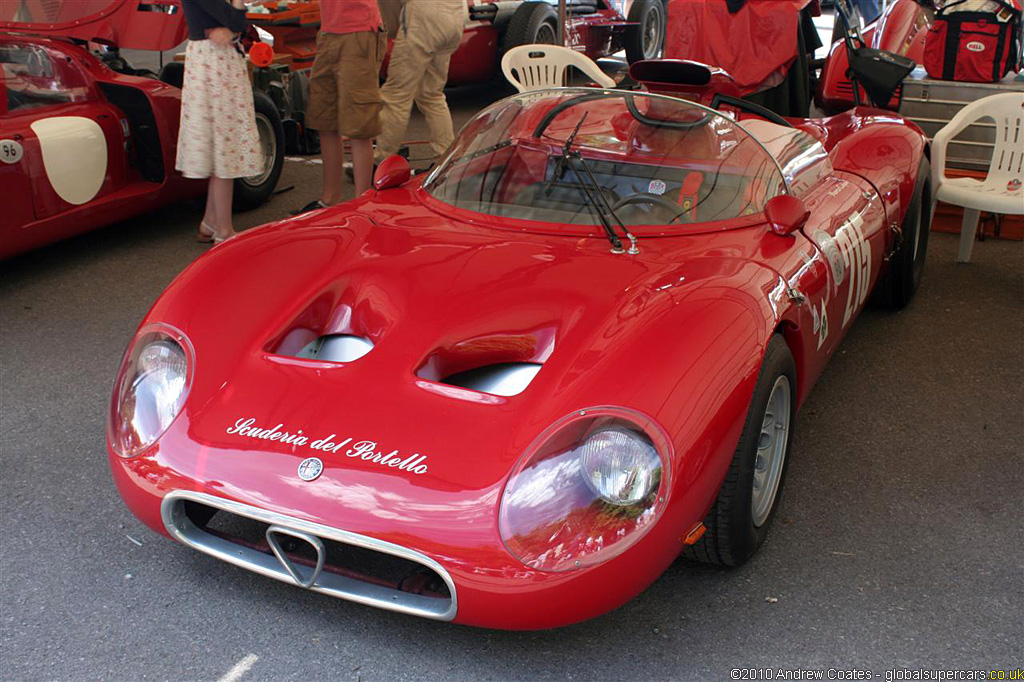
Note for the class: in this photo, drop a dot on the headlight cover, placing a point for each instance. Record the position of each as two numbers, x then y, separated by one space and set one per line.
587 489
151 388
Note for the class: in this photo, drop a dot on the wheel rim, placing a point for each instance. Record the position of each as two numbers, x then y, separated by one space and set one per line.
268 146
546 35
652 32
771 451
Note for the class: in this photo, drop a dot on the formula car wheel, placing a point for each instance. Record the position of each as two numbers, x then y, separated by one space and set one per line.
255 190
173 73
739 519
906 267
645 39
532 23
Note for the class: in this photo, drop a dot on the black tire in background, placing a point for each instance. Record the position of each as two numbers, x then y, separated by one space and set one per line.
173 73
906 267
532 22
732 535
646 39
254 191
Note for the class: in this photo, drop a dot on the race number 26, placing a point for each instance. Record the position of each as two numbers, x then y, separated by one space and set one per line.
857 256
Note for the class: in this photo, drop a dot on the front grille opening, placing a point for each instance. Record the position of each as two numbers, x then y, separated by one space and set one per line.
357 563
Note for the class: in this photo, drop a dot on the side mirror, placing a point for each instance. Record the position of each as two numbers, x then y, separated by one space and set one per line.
392 172
786 214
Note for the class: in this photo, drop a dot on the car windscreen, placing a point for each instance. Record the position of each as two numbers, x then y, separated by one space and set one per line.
33 76
656 160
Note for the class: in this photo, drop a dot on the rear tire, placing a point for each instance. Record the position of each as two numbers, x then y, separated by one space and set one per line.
738 521
906 267
532 23
646 40
173 73
255 191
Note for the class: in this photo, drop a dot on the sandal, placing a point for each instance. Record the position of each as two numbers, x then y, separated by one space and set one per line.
207 234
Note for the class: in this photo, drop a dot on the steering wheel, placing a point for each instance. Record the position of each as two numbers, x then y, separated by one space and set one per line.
650 199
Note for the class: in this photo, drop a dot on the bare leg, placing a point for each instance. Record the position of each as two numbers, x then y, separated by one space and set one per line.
362 164
210 216
332 154
221 190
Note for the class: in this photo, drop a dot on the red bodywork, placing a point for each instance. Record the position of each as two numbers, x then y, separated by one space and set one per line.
138 118
677 334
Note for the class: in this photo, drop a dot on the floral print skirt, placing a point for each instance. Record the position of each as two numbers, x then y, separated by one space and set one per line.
217 135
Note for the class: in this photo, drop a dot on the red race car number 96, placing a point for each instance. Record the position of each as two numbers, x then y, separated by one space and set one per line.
10 151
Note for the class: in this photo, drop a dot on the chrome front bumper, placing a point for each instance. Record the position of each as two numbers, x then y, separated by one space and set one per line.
279 565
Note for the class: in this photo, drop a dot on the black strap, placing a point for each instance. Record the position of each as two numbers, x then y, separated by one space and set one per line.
952 47
998 61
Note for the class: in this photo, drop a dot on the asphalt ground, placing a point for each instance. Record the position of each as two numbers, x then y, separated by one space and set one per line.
898 543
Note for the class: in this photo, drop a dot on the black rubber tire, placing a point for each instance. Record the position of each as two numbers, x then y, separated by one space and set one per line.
529 19
906 267
634 40
173 73
731 537
248 196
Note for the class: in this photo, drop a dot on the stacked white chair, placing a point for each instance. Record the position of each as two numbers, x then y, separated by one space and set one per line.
539 67
1002 191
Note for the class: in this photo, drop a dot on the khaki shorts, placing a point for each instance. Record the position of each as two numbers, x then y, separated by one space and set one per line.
344 87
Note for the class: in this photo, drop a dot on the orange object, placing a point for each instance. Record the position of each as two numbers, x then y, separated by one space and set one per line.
294 28
696 533
261 54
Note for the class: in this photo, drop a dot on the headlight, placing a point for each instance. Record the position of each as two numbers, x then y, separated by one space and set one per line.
588 488
150 390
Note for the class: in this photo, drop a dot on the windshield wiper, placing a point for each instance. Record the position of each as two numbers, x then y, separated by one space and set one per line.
560 166
591 187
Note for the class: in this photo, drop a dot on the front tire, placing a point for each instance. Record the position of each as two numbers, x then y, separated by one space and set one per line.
906 267
254 191
646 39
738 522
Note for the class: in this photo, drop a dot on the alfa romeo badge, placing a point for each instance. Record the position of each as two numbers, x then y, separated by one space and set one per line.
310 468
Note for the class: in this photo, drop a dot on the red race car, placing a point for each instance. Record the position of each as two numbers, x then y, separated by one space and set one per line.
511 392
85 139
598 28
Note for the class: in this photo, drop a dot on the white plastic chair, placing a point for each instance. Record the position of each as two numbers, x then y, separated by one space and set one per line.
1001 191
538 67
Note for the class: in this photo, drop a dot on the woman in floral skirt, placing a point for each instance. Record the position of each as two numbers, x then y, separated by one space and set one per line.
217 138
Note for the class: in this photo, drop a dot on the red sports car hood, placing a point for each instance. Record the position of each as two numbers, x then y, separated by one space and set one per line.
130 24
436 298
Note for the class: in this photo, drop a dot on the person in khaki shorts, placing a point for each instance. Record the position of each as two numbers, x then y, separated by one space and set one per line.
344 93
429 31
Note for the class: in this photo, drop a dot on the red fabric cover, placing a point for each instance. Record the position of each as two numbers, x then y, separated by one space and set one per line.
753 45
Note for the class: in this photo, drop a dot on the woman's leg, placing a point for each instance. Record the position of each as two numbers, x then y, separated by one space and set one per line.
210 216
220 196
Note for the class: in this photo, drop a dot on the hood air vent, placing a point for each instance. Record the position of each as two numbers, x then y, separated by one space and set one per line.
504 379
336 348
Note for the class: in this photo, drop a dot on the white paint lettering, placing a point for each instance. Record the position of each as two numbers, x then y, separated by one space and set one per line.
365 450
